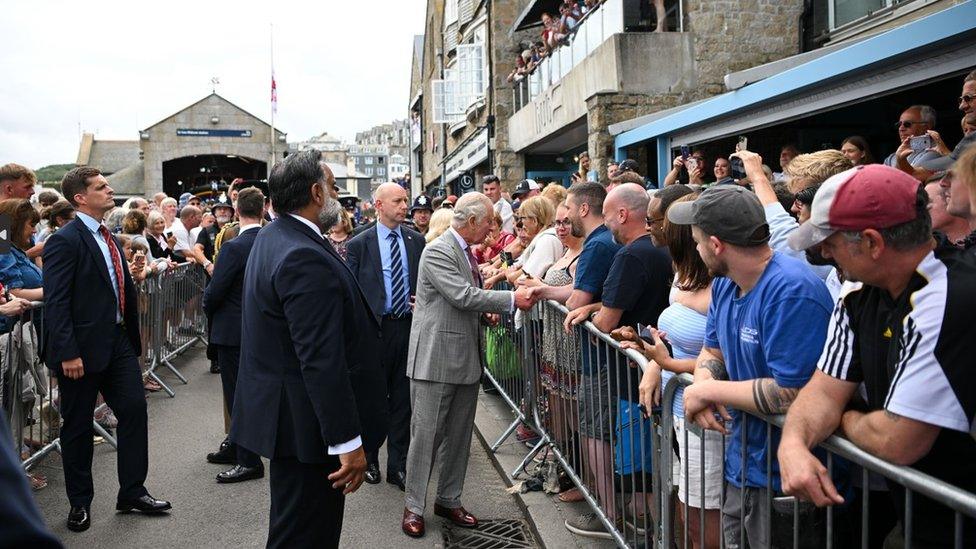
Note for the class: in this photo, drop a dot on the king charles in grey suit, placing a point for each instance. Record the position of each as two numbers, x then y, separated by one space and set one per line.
444 362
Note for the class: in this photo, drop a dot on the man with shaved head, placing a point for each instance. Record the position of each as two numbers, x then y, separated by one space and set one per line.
384 258
635 292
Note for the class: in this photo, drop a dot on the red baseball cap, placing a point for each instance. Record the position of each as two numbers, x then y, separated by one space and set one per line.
873 196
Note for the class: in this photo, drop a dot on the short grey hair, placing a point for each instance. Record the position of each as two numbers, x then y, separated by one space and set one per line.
470 205
926 113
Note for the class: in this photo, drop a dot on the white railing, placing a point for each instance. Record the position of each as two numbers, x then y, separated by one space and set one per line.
593 30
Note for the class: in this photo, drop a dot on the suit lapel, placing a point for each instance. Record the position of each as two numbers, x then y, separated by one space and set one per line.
373 252
460 254
89 240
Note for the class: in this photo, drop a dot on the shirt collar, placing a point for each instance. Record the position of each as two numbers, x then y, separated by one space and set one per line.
90 222
249 226
461 241
308 223
383 232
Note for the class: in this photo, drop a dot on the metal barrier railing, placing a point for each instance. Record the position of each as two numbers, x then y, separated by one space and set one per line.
581 392
171 320
504 368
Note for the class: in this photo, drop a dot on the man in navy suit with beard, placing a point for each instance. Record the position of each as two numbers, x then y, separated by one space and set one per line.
309 389
384 259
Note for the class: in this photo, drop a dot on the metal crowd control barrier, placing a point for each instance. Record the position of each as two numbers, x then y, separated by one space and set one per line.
502 345
172 319
29 394
581 393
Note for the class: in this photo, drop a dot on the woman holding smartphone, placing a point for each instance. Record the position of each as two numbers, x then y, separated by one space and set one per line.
682 325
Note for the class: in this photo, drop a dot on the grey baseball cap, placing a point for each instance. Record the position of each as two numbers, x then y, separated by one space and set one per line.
731 213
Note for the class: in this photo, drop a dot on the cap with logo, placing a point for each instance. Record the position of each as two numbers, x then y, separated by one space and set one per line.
731 213
874 196
421 203
525 186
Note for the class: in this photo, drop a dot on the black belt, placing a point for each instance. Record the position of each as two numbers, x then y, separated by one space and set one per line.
404 316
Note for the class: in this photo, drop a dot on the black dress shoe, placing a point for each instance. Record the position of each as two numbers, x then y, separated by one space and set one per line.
373 473
398 479
224 455
214 368
145 504
78 519
239 473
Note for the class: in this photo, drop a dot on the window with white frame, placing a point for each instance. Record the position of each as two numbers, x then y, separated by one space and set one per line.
444 96
369 160
369 170
842 12
471 74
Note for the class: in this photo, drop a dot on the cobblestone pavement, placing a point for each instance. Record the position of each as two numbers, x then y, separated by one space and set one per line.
182 431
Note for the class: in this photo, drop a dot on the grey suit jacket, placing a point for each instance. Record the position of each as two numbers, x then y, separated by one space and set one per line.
445 341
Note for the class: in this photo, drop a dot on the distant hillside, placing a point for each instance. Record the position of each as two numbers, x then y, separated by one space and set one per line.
52 173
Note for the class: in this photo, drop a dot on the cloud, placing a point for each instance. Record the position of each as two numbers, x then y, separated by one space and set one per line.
116 67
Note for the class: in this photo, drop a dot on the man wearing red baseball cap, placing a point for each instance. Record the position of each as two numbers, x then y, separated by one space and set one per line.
902 329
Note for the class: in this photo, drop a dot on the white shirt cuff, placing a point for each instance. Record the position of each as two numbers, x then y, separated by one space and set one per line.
512 306
345 447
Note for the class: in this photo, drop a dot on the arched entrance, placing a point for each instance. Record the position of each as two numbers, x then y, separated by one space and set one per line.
188 172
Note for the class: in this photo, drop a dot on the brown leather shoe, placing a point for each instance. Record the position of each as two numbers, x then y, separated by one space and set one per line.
413 524
457 515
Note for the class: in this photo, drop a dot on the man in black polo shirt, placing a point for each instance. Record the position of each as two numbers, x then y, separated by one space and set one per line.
902 330
635 292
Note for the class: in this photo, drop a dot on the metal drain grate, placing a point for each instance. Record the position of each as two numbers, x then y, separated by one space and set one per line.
490 534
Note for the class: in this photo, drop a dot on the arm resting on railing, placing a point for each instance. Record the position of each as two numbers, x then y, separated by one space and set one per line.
891 437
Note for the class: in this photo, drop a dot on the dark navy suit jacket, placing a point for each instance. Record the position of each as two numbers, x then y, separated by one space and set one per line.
363 258
309 372
222 298
79 301
21 524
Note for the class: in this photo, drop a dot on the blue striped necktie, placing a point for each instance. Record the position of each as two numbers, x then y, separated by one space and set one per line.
398 281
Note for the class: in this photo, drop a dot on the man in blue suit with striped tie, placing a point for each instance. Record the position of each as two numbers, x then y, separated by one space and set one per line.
384 259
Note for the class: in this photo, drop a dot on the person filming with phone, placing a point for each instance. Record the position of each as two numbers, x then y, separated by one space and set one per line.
916 144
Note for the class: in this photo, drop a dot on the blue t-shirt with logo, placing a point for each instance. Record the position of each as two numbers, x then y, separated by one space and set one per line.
776 330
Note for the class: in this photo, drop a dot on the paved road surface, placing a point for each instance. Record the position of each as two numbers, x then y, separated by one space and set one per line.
181 432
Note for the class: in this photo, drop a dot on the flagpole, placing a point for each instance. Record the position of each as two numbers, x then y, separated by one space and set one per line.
274 153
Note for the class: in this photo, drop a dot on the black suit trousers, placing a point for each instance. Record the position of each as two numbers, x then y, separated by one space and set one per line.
121 385
229 359
393 359
306 511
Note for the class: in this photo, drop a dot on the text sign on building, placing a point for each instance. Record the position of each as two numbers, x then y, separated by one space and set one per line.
212 132
474 152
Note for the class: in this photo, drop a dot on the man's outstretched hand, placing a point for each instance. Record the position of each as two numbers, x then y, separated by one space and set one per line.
523 298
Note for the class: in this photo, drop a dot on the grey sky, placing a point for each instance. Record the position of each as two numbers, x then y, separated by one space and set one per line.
118 67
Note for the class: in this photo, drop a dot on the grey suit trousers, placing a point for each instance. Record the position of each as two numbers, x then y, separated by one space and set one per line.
441 425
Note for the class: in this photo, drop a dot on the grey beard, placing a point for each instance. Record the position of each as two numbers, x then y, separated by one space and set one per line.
330 214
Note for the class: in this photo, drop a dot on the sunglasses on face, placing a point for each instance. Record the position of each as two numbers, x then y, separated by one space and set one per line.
651 221
905 123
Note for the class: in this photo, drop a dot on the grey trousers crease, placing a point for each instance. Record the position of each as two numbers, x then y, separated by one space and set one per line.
441 426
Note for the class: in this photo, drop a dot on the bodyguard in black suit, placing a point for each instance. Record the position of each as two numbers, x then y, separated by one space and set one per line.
222 302
308 392
93 343
389 281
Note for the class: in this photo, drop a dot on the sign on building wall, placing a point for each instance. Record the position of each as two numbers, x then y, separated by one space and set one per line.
212 132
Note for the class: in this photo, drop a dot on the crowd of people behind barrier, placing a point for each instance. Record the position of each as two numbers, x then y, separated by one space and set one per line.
832 291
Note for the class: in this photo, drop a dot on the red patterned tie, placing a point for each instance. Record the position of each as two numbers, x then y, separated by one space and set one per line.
116 264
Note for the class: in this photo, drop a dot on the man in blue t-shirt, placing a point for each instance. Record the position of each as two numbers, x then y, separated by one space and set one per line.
766 327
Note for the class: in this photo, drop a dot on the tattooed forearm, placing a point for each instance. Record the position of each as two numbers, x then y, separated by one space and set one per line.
771 398
716 368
